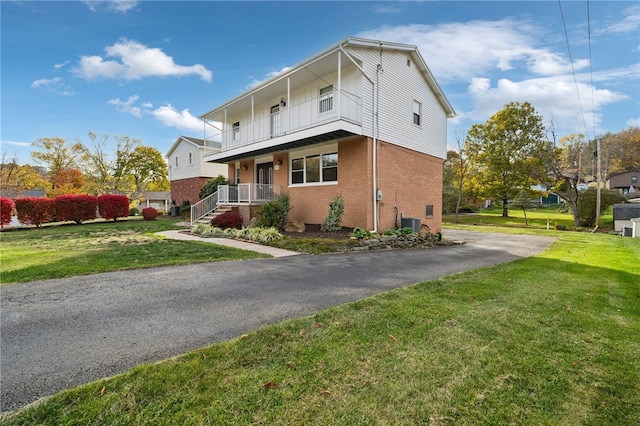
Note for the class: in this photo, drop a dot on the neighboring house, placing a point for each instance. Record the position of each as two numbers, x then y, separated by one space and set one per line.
363 119
187 170
623 213
625 183
159 200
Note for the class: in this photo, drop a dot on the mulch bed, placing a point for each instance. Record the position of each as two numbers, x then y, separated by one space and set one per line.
313 231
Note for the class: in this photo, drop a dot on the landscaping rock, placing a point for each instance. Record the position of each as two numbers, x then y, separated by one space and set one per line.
294 227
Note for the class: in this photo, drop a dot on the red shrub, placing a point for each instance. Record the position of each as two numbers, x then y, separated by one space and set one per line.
113 206
227 220
35 210
76 207
149 213
6 210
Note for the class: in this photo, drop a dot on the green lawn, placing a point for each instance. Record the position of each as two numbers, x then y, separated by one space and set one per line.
537 218
553 339
70 250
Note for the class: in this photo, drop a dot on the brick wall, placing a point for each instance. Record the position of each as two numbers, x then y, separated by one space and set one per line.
187 189
409 180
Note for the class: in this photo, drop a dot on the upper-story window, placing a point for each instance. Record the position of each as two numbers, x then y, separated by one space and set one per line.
318 168
236 131
417 113
190 157
634 179
326 99
177 161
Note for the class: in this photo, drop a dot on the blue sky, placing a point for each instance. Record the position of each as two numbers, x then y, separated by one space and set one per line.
148 69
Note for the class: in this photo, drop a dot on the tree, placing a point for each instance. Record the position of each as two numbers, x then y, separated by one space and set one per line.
67 181
508 154
587 205
15 179
131 171
212 186
56 155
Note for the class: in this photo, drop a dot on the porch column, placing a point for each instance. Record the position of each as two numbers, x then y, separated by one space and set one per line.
288 103
339 84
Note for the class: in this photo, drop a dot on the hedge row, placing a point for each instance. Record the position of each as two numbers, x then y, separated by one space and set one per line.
7 207
72 207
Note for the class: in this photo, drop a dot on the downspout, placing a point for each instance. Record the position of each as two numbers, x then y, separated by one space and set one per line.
376 130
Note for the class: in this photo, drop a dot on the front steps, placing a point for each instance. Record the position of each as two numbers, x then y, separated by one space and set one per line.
222 209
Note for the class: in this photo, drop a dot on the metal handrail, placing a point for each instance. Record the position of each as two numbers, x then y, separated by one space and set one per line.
203 207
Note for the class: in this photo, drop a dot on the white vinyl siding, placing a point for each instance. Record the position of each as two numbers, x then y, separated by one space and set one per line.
399 86
198 168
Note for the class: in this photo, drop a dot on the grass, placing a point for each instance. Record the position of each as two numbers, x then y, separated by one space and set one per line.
70 250
553 339
537 218
312 245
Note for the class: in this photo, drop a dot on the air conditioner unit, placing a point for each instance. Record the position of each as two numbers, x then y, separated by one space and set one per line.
410 222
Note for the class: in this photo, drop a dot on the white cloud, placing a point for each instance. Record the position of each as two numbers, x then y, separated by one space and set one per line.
134 61
461 51
60 65
127 106
120 6
634 122
171 117
15 143
628 24
255 82
553 98
53 85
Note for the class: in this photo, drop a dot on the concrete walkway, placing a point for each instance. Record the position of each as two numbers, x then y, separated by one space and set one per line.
229 242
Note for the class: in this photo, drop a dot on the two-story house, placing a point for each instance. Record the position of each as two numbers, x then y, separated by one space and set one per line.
625 183
363 119
188 172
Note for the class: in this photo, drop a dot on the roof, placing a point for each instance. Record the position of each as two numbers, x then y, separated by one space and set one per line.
350 42
626 211
156 195
193 141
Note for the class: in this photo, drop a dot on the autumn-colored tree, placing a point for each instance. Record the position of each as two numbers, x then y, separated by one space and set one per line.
15 179
55 154
508 154
67 181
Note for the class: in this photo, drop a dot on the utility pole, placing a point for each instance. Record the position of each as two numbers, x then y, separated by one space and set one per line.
598 183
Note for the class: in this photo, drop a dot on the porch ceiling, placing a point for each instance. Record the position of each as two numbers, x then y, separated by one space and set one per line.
312 140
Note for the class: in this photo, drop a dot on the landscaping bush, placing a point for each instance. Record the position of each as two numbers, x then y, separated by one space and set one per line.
7 208
149 213
134 212
587 204
212 186
113 206
35 210
227 220
274 213
336 210
75 207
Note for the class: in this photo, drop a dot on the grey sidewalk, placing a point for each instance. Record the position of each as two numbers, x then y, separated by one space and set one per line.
229 242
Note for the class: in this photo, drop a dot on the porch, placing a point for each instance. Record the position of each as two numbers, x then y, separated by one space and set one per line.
244 194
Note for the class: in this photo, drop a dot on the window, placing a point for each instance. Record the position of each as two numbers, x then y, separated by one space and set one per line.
237 180
236 131
330 167
275 120
326 99
297 170
634 179
177 162
315 169
191 158
417 112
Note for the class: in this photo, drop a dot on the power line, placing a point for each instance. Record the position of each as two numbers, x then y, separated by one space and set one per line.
573 71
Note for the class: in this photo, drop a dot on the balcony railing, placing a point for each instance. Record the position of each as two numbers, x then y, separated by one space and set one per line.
327 108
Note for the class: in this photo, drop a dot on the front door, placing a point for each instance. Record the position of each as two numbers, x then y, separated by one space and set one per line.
264 181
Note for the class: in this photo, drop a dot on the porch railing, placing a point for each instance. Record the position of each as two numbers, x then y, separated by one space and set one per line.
243 193
204 207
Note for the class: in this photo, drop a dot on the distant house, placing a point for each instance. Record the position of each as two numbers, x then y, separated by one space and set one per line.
159 200
363 119
625 183
188 172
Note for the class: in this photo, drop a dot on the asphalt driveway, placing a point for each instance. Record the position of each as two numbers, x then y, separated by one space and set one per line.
58 334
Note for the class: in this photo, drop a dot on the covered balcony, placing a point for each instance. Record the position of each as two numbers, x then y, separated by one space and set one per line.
317 101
